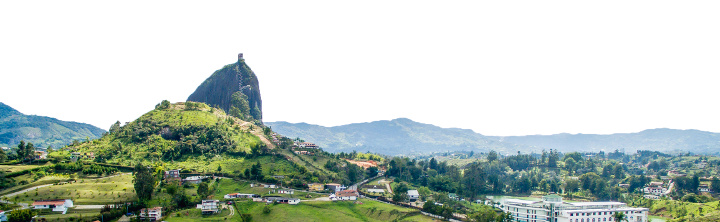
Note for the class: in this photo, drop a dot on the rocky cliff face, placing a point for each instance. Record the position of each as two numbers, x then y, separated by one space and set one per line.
217 90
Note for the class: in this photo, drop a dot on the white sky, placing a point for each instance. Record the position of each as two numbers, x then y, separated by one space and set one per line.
497 67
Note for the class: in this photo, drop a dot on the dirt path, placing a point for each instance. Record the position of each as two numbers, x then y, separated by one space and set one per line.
317 199
78 207
257 131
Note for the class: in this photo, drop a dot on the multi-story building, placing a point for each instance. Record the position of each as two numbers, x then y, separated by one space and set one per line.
209 206
151 214
316 186
172 174
552 209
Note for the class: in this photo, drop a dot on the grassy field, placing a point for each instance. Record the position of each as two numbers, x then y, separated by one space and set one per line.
327 211
228 186
42 181
86 191
709 211
16 168
196 215
85 214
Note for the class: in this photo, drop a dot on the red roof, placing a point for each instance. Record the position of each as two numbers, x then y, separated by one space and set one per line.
49 202
347 193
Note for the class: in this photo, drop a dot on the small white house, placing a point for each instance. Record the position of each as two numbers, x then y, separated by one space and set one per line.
376 190
283 200
271 186
286 191
239 195
55 205
3 217
194 179
209 206
413 195
345 195
151 214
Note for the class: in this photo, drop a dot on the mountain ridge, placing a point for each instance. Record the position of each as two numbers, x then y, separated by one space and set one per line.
392 137
430 138
42 131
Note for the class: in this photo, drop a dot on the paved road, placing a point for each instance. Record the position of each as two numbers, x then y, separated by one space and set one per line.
89 206
317 199
26 190
232 210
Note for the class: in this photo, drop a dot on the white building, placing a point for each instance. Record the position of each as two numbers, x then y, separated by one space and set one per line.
55 205
239 195
553 209
209 206
657 189
194 179
286 191
282 200
345 195
3 217
151 214
375 190
413 195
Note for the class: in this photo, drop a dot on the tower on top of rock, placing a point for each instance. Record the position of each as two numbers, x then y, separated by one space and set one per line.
240 56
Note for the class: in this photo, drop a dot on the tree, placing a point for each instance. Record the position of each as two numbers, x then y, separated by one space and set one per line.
246 217
400 196
619 216
3 156
29 151
492 156
574 155
572 186
715 185
115 127
256 171
171 189
163 105
21 215
433 164
618 172
25 151
695 183
239 105
203 190
570 164
144 182
371 171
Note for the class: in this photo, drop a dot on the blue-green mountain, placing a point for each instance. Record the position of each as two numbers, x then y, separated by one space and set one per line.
40 130
406 137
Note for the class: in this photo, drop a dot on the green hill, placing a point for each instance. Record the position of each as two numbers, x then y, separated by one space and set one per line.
191 135
40 130
195 137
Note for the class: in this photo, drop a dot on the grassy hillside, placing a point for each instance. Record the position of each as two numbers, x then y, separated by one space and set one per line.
197 138
364 210
183 134
41 131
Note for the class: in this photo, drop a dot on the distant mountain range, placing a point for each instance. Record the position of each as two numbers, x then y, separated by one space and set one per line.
40 130
406 137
